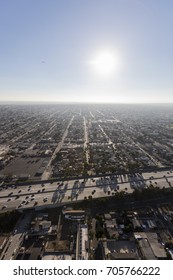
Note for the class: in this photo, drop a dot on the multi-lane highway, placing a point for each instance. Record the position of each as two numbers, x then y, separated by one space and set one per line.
52 194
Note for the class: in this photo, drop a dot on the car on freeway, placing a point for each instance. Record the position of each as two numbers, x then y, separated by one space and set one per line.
10 193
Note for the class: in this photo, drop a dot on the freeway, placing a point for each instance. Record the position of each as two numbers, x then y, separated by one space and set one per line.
57 193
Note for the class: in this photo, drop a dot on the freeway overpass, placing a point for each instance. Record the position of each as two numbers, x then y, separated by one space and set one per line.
55 193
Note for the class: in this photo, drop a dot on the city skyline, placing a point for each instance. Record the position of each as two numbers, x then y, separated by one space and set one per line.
89 52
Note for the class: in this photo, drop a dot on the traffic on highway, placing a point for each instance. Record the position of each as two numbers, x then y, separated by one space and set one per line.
56 193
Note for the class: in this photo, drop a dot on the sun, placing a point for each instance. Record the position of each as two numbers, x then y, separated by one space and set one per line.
104 63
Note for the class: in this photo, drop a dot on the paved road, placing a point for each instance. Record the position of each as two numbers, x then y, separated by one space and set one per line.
86 140
70 191
48 169
17 238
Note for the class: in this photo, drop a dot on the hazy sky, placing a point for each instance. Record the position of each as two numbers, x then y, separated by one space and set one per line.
86 50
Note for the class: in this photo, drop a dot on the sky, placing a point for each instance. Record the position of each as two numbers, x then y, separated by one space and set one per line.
86 51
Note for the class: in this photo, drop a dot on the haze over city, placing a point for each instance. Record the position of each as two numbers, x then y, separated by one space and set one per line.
86 51
86 181
86 134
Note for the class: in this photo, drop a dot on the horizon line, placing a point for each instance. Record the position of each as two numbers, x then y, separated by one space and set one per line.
82 102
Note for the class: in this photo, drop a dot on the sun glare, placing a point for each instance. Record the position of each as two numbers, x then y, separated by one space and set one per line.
104 63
